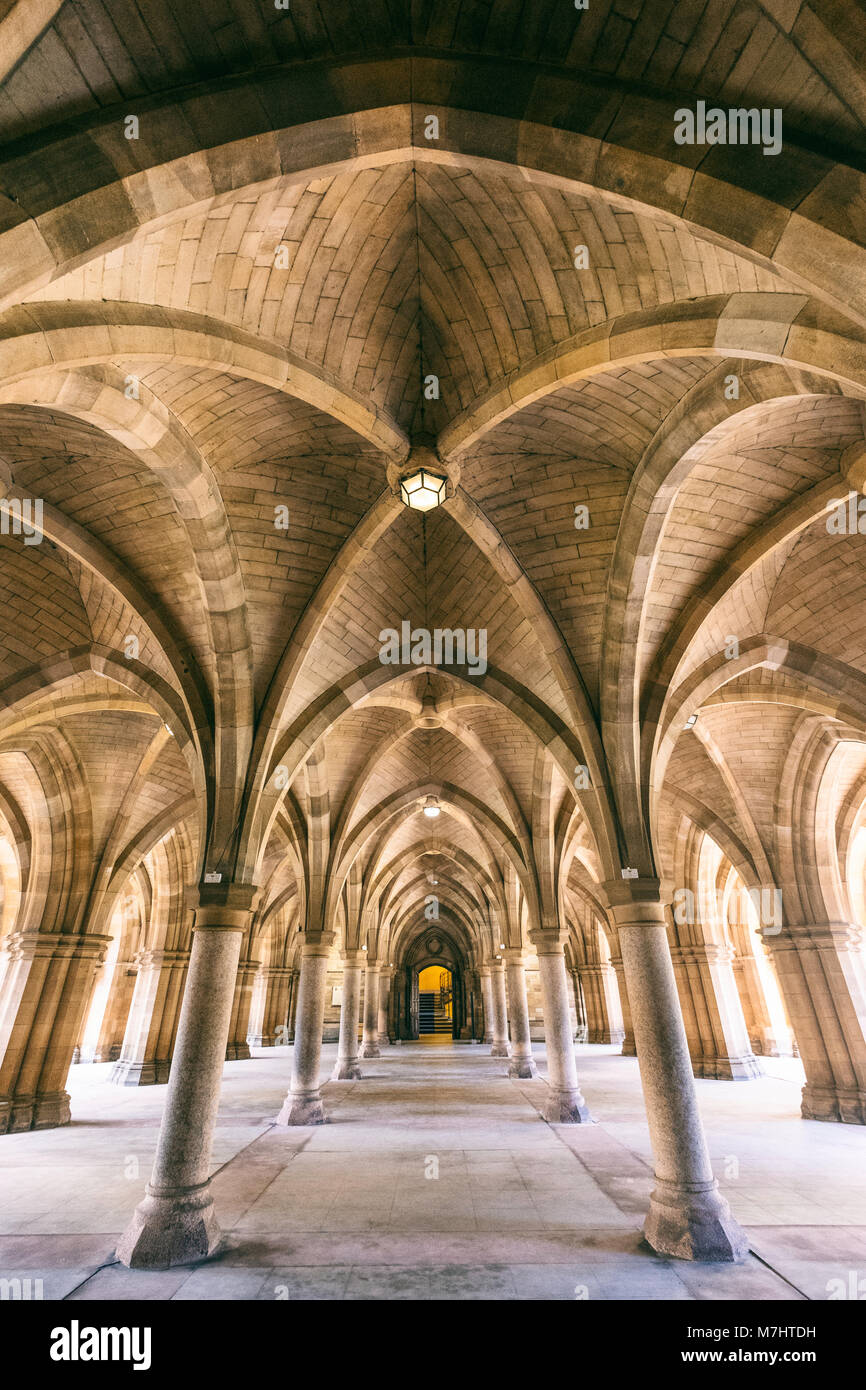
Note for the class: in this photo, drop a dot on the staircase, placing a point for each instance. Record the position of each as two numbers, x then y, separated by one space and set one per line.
433 1016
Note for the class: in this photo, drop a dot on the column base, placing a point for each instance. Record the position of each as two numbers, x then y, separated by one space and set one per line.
51 1110
347 1070
384 1040
567 1108
370 1049
694 1223
628 1048
140 1073
844 1105
238 1052
728 1068
301 1110
18 1115
523 1067
500 1050
170 1230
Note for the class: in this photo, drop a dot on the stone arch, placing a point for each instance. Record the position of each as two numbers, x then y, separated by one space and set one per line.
543 145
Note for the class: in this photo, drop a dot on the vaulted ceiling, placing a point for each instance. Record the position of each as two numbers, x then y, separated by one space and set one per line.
217 346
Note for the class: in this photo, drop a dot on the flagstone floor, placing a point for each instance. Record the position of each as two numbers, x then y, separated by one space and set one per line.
436 1178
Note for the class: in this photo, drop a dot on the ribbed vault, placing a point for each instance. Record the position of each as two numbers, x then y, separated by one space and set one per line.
642 366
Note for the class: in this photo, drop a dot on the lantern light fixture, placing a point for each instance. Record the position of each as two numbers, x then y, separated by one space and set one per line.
423 490
431 806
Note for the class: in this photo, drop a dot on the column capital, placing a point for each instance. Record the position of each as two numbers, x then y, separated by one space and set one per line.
224 906
318 943
355 957
249 967
549 941
28 945
594 967
839 936
635 902
148 959
703 951
495 963
513 955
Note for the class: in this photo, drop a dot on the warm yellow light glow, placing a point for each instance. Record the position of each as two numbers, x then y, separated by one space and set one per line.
422 491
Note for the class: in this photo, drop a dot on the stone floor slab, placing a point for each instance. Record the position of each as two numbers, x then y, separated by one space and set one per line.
436 1179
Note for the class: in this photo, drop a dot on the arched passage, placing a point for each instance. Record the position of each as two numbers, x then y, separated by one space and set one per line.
322 259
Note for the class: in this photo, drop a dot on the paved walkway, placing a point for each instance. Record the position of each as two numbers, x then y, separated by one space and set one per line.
436 1179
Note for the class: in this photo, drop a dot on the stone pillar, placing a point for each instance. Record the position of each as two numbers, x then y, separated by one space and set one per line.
522 1064
580 1014
46 992
175 1222
98 1004
688 1216
112 1030
500 1046
601 999
293 1002
476 1009
463 1005
628 1043
750 989
370 1041
269 1012
257 1009
237 1046
145 1057
303 1104
385 977
769 1034
712 1013
820 986
487 1000
347 1068
566 1105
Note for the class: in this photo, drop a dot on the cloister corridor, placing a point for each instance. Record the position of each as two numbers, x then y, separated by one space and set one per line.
432 678
520 1209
